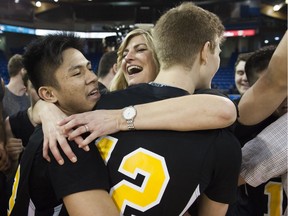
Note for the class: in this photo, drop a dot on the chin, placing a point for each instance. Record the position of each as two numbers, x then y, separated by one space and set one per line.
131 83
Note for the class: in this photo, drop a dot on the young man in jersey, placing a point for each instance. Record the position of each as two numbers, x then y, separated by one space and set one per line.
61 75
163 172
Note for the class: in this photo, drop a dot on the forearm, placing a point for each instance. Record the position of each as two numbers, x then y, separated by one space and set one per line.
91 202
208 207
263 98
265 156
194 112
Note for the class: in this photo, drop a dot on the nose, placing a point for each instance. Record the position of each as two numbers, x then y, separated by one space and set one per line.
129 56
91 77
244 77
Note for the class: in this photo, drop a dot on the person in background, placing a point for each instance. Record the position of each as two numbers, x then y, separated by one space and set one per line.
15 98
60 73
241 81
146 65
261 200
107 69
20 126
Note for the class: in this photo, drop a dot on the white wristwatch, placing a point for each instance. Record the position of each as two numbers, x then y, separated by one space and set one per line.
129 114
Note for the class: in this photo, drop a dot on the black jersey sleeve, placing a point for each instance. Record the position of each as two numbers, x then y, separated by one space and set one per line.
89 172
227 161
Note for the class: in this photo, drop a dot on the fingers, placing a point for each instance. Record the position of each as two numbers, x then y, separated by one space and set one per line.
14 150
88 140
4 160
67 150
45 149
70 122
65 120
55 152
77 132
79 141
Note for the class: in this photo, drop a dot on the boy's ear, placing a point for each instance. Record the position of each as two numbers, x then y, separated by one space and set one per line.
47 94
115 68
204 53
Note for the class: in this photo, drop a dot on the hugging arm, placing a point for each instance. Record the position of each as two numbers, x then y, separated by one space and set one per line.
198 112
49 114
90 203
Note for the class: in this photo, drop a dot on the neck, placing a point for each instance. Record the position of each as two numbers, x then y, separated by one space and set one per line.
107 79
16 85
178 76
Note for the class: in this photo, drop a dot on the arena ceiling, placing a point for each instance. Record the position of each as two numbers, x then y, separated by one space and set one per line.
99 15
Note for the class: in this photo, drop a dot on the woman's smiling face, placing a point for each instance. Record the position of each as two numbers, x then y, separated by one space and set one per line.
138 64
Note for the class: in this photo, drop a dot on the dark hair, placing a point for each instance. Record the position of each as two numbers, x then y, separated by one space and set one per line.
43 56
15 65
242 57
258 62
107 61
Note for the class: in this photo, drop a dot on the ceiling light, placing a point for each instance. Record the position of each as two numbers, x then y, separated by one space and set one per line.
38 4
276 7
16 1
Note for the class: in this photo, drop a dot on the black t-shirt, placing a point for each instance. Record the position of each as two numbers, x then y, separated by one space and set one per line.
21 126
48 183
163 172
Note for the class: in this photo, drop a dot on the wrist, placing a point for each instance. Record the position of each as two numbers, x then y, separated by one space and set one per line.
122 124
128 115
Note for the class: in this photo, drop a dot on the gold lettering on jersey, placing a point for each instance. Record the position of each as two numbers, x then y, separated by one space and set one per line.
153 167
274 190
105 145
14 191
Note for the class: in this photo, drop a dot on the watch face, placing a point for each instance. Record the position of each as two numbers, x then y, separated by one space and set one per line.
129 113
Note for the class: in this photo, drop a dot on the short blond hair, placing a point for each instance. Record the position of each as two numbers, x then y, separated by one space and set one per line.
181 32
15 64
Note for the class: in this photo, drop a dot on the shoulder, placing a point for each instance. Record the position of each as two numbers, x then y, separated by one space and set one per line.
210 91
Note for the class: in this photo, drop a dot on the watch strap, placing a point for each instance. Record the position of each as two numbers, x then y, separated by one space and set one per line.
130 124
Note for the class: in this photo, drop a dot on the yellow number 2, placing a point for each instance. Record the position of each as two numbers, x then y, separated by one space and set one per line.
156 177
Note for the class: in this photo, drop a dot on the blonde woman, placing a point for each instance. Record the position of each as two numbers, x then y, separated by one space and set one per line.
137 61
